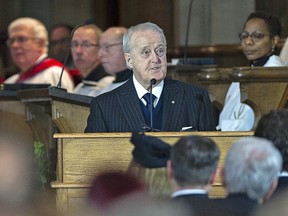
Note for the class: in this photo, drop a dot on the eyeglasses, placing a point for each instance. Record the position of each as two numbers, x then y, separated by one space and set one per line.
255 36
84 44
59 42
106 47
19 39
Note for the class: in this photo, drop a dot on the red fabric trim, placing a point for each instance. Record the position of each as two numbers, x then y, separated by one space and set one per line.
46 63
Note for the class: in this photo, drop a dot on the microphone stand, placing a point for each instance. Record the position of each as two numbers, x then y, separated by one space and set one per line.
87 22
187 33
152 82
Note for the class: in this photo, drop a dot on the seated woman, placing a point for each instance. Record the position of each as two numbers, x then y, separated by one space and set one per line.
259 39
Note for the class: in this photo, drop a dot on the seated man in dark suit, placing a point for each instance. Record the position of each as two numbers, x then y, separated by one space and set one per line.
191 171
274 127
250 176
176 105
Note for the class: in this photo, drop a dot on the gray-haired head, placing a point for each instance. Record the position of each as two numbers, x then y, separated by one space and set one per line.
38 28
251 166
138 28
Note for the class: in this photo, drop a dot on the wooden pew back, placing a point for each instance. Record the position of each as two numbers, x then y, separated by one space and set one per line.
262 88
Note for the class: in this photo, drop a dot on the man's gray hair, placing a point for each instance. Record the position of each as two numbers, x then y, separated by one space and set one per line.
38 28
139 28
251 166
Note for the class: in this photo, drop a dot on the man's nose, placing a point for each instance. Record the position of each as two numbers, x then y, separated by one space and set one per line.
154 56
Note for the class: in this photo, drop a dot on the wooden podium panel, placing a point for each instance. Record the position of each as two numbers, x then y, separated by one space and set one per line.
82 156
69 117
69 111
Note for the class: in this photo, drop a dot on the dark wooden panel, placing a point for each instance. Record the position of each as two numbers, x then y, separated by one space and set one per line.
276 7
159 12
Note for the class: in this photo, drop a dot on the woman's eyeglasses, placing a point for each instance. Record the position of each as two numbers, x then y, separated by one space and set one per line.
255 36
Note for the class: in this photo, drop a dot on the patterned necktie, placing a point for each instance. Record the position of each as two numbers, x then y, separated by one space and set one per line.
147 99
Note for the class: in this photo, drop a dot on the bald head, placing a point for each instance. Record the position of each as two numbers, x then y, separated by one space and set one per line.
111 52
115 33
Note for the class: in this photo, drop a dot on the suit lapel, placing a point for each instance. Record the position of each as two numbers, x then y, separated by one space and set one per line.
130 105
173 99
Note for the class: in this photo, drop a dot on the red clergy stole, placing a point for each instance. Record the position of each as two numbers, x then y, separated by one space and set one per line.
44 64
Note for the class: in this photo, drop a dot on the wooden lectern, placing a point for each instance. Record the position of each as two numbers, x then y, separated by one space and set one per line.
82 156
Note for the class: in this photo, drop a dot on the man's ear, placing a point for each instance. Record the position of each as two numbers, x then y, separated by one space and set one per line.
271 190
128 60
169 170
213 176
222 176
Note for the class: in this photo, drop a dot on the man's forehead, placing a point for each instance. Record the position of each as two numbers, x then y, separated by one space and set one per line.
109 37
85 34
146 38
23 29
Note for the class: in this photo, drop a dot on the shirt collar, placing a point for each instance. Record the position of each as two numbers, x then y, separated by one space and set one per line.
141 91
282 174
188 192
261 61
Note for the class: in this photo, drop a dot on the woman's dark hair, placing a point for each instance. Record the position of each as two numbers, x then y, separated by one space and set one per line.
272 21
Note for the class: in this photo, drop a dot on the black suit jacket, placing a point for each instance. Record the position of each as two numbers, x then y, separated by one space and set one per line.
120 110
198 204
233 205
282 186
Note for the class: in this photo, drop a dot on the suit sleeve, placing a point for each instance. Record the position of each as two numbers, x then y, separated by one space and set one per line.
206 120
95 121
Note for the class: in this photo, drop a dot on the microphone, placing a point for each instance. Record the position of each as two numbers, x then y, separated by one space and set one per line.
152 82
87 22
187 32
145 128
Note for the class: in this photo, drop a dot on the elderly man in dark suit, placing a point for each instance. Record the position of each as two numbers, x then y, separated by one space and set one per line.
176 105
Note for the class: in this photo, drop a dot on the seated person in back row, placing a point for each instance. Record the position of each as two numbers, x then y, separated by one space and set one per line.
59 48
259 39
273 126
28 42
84 49
112 58
59 43
176 105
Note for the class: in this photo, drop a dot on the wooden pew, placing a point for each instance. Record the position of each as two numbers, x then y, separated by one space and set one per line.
82 156
37 104
262 88
226 55
51 110
217 82
13 116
